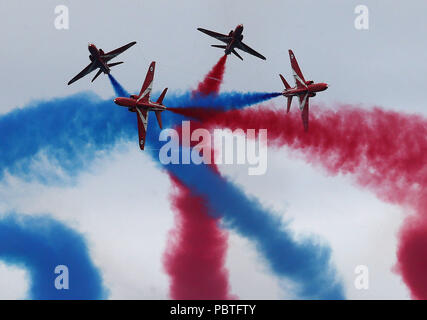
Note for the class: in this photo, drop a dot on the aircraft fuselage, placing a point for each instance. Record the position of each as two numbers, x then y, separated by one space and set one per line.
95 55
132 103
236 38
311 89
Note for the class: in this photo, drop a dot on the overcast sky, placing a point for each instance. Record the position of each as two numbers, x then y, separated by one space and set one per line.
383 66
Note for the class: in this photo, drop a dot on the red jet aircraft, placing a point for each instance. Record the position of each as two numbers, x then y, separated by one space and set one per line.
233 41
141 104
303 89
99 60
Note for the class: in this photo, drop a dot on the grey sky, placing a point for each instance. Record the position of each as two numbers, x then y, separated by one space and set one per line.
384 65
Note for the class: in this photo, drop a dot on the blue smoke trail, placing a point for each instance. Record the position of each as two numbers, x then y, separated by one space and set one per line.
308 263
118 89
223 101
39 244
72 130
62 129
68 131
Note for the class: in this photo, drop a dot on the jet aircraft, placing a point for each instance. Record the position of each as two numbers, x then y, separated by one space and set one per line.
304 90
99 59
233 41
141 104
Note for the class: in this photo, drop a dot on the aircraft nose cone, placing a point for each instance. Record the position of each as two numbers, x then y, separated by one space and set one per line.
121 101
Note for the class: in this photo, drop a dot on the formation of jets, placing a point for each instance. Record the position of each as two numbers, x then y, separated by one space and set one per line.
141 103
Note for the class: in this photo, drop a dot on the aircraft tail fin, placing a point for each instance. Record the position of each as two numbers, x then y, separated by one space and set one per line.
159 117
237 55
218 46
289 103
97 74
114 64
162 96
285 83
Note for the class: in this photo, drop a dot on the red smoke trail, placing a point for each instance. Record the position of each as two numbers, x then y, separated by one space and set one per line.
197 247
196 250
212 81
385 151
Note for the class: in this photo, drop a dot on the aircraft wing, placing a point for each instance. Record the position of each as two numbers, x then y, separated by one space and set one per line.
304 107
84 72
112 54
249 50
299 78
222 37
145 92
142 116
